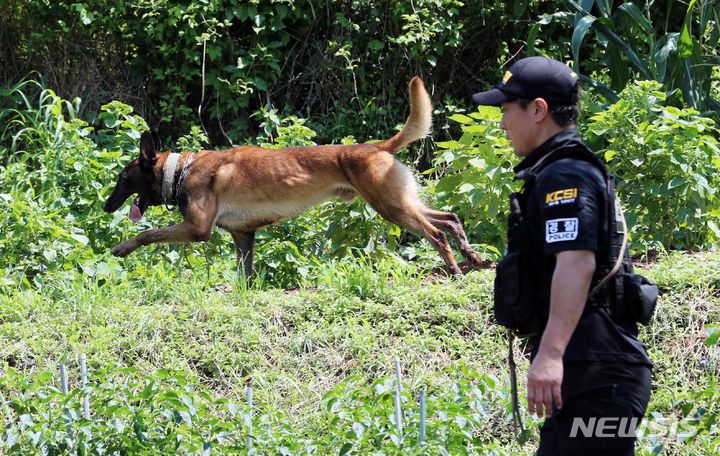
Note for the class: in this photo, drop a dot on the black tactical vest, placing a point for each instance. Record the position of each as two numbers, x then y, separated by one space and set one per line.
628 296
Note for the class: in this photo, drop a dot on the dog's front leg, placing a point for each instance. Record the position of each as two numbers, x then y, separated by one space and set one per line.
199 219
183 232
244 247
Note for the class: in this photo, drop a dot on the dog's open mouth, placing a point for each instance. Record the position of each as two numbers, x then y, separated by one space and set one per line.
135 213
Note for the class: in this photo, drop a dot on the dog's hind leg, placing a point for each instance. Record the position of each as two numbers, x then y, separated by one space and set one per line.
409 217
244 247
389 187
447 221
408 214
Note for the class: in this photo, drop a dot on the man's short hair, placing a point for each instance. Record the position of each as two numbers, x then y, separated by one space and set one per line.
562 114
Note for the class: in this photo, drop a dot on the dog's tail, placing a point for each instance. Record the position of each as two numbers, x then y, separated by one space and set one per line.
418 122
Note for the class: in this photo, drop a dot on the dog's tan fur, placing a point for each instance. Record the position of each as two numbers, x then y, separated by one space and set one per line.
246 188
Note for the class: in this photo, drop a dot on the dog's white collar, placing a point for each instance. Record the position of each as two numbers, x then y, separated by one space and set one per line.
169 168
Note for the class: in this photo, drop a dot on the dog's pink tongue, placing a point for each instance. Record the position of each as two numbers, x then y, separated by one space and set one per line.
135 215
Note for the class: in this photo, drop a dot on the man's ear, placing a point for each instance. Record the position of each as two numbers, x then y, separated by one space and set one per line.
149 147
540 108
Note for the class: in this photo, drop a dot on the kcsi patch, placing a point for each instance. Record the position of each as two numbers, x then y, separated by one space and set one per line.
566 196
562 229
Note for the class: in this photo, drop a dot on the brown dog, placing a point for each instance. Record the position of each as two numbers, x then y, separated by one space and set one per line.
246 188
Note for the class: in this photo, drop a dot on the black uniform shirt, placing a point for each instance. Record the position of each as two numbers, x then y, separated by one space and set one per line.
565 210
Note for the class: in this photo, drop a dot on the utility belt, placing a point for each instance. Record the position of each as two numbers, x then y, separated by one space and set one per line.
628 297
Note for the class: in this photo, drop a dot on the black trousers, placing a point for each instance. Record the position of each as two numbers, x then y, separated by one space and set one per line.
602 404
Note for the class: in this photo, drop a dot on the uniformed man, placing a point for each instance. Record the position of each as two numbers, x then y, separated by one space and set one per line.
589 375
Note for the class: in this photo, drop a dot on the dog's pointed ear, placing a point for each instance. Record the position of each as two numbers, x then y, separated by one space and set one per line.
149 147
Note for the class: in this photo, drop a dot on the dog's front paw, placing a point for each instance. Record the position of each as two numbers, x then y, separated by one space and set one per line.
123 250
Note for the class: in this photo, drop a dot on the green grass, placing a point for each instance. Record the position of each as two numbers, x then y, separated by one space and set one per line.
294 346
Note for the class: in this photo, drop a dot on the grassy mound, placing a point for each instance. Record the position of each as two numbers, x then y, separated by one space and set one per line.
320 361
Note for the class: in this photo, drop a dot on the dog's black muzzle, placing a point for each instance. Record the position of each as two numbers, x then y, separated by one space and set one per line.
114 202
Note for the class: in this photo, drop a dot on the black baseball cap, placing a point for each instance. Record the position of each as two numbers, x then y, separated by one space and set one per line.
533 77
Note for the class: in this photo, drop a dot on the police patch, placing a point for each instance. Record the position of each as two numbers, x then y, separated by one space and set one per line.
562 229
559 197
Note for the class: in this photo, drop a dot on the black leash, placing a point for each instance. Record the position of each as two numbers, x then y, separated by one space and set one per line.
517 419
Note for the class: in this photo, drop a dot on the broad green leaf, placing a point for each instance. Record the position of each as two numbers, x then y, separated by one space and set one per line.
461 118
713 335
519 7
449 183
448 156
532 37
585 7
676 182
104 269
466 188
475 129
81 238
261 84
375 45
668 45
690 87
359 429
490 113
477 197
714 227
605 7
636 15
581 29
448 144
685 42
604 25
345 449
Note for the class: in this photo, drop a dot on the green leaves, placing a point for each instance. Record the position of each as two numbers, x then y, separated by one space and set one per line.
578 36
478 177
662 154
685 42
632 10
86 16
627 46
55 176
166 414
713 335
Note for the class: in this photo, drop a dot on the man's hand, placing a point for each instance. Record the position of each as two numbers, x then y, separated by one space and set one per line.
543 385
570 283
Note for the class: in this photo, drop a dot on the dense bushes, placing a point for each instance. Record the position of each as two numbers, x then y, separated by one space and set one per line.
666 159
668 164
56 169
478 176
342 63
